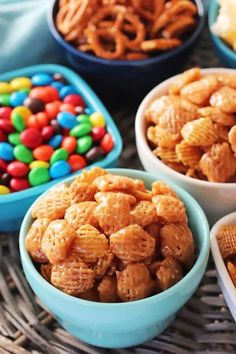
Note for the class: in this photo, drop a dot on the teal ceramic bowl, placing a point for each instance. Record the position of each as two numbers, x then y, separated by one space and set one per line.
226 54
122 325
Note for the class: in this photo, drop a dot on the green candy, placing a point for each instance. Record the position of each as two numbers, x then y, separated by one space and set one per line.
84 144
14 138
5 99
18 122
83 118
80 130
39 175
23 154
59 154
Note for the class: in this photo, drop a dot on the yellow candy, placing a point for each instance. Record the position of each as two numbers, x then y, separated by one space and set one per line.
5 87
20 83
24 112
4 190
97 120
39 163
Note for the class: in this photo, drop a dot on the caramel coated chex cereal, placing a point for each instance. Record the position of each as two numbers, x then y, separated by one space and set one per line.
34 238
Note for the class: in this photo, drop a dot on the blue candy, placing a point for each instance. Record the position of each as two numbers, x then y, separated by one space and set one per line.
58 85
88 111
67 120
59 169
17 98
41 79
55 141
67 90
6 152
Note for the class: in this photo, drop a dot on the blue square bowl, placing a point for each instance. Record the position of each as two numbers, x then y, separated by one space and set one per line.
14 206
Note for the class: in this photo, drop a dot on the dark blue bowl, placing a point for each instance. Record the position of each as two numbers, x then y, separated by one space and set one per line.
126 73
226 54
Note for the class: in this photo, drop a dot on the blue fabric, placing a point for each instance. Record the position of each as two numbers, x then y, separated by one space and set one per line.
25 38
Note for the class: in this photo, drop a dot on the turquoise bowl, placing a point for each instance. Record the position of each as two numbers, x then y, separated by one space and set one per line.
14 206
226 54
122 325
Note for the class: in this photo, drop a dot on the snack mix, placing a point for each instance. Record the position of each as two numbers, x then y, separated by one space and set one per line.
125 29
107 238
192 128
226 238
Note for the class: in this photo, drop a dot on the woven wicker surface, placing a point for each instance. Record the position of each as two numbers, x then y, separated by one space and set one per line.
204 325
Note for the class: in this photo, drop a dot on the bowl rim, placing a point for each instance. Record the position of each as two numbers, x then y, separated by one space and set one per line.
202 257
142 140
220 43
218 259
89 96
72 50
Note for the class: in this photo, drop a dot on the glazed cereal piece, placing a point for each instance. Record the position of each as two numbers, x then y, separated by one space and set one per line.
177 166
72 275
161 188
113 213
91 175
232 271
177 241
170 209
144 213
183 79
218 116
168 273
34 238
166 154
90 295
232 139
53 204
81 192
200 132
57 240
158 107
46 271
154 231
219 163
89 244
224 99
227 80
134 282
139 185
177 114
161 137
189 155
81 214
199 92
192 172
226 238
222 133
109 183
107 289
103 196
103 264
132 244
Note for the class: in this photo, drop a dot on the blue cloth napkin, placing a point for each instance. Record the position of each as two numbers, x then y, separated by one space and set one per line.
25 38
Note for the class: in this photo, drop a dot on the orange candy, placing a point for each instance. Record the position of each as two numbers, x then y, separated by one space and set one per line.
37 121
67 107
76 162
43 152
45 93
69 143
52 109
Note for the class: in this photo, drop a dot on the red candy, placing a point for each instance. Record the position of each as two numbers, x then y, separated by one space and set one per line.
5 112
67 107
69 143
17 169
43 152
97 133
6 126
52 109
3 165
47 132
19 184
77 162
45 93
31 138
107 143
75 100
3 136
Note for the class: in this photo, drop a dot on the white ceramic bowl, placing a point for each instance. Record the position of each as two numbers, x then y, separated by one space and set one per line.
217 199
225 281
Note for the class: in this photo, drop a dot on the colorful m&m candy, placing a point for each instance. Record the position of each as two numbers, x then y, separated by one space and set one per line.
46 131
